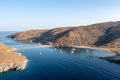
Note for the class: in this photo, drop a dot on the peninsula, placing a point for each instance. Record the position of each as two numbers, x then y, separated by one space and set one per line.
101 35
10 60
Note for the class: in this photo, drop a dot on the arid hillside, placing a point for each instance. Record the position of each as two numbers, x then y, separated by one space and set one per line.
27 36
102 34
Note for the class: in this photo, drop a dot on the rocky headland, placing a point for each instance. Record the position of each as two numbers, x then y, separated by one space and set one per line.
10 60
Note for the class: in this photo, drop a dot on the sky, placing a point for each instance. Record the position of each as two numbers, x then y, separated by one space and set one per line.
18 15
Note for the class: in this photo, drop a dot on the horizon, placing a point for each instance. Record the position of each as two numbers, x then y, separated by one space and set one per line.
24 15
55 27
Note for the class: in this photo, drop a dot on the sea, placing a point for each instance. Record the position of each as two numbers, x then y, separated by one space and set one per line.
54 63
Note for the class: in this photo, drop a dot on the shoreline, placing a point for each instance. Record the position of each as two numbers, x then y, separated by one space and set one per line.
95 48
17 62
10 60
110 50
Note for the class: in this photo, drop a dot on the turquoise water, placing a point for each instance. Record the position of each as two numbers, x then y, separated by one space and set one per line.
62 64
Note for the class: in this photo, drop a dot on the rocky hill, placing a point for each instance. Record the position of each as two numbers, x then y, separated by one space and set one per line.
101 35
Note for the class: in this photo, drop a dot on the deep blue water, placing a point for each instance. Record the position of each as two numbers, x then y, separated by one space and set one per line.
61 64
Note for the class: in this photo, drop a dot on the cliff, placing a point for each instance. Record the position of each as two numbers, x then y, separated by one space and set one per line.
10 60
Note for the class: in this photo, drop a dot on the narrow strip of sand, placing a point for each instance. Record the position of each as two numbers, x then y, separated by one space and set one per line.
96 48
110 50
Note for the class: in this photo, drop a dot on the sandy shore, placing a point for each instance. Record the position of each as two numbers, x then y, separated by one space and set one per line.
10 60
110 50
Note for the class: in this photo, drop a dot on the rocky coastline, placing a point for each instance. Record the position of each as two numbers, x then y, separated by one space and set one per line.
10 60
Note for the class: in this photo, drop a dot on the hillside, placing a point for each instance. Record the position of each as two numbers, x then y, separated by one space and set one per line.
27 36
101 35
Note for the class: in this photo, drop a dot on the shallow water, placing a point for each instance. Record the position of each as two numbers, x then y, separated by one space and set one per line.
62 64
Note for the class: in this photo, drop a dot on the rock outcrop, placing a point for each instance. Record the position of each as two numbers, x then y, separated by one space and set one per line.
10 60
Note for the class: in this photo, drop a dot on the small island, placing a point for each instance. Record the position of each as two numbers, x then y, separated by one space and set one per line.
10 60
